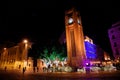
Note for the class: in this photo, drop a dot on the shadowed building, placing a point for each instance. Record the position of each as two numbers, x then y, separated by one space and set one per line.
114 37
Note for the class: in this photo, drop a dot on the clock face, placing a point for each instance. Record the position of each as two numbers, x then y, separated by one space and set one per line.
78 21
70 20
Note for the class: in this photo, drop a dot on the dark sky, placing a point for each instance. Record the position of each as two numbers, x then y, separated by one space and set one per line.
43 21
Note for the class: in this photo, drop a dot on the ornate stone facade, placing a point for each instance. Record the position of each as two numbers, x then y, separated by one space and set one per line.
16 57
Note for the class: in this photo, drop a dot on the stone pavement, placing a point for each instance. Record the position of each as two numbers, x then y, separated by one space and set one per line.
28 75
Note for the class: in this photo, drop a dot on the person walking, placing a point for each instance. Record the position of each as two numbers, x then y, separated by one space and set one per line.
37 69
23 70
34 69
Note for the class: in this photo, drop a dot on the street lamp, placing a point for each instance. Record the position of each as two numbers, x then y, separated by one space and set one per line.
25 41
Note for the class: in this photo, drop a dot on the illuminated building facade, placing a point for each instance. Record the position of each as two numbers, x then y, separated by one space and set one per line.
94 53
106 56
74 38
90 48
114 37
16 57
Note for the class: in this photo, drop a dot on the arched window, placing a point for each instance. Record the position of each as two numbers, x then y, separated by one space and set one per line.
111 31
119 28
115 44
113 37
117 52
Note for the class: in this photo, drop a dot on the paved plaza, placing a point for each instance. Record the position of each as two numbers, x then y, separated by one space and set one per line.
18 75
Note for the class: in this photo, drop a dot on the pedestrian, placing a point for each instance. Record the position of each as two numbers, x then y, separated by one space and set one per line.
23 70
19 66
34 69
37 69
5 68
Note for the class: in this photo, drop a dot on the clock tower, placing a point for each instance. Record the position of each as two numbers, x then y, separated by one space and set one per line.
74 38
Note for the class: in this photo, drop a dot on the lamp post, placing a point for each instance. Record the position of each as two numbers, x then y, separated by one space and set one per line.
4 57
25 41
5 54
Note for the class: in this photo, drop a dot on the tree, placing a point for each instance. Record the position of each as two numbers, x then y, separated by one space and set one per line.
52 54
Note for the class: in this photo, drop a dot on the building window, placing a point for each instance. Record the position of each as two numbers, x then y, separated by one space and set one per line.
115 44
29 65
70 14
119 28
117 52
8 54
20 58
90 40
113 37
42 63
111 31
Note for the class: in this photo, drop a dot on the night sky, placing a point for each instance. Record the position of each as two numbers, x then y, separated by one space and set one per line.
42 22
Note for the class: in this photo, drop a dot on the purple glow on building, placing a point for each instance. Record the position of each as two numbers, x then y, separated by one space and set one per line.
114 37
90 50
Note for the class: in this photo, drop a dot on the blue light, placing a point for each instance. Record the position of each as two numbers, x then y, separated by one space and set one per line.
90 50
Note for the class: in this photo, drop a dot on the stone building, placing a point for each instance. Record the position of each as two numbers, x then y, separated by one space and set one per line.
114 37
16 57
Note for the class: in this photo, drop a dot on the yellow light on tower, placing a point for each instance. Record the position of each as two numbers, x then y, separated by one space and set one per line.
25 41
5 48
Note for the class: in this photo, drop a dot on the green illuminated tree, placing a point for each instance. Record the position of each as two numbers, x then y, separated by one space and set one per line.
53 54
